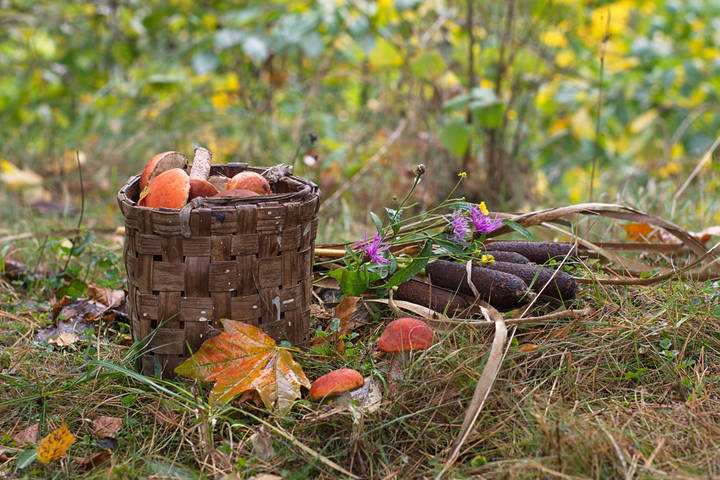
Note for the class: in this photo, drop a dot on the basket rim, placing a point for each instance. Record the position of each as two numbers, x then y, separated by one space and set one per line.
308 188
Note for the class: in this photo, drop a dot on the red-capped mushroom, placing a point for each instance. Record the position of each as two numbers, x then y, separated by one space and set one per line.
201 188
403 335
248 180
160 163
170 189
335 383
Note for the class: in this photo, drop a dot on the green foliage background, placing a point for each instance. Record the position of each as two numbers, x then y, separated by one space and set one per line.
122 80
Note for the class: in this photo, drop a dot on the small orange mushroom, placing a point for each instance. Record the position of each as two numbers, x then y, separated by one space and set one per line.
405 334
335 383
201 188
170 189
160 163
248 180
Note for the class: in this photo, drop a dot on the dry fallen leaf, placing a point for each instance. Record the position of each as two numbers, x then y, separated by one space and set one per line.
29 435
244 358
343 312
85 464
369 396
106 426
64 339
250 396
55 444
262 444
105 297
59 305
528 347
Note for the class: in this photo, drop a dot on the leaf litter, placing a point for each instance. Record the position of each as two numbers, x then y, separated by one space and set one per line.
73 318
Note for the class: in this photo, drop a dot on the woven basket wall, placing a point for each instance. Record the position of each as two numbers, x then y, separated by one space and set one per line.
249 261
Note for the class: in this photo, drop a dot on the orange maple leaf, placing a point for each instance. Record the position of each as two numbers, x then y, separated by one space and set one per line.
244 358
642 232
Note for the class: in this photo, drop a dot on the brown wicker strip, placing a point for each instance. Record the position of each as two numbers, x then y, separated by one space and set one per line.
247 259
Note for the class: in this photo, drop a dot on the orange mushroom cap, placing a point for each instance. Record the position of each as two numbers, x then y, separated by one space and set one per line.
336 382
201 188
405 334
248 180
160 163
170 189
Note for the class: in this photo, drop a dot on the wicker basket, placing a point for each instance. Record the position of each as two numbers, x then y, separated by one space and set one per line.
249 259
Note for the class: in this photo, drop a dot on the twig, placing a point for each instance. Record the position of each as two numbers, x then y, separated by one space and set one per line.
376 156
554 473
596 149
467 160
700 165
82 212
574 314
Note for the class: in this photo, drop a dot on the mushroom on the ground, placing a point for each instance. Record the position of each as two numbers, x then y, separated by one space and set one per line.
335 383
403 335
170 189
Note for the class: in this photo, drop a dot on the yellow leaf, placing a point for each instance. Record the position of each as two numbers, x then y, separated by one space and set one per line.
565 58
643 121
384 54
554 38
582 124
55 444
221 100
16 178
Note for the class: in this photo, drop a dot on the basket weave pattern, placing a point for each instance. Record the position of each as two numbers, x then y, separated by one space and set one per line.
251 261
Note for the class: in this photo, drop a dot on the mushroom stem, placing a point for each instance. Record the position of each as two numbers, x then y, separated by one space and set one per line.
395 373
201 164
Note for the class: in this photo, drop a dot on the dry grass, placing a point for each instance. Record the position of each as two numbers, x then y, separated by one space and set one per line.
631 391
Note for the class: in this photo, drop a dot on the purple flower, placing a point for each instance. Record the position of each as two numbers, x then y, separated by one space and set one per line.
459 226
373 248
481 221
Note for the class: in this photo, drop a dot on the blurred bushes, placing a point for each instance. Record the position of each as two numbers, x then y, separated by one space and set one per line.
121 80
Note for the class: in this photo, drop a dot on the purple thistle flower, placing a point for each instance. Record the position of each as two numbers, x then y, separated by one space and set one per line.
459 226
374 248
481 222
